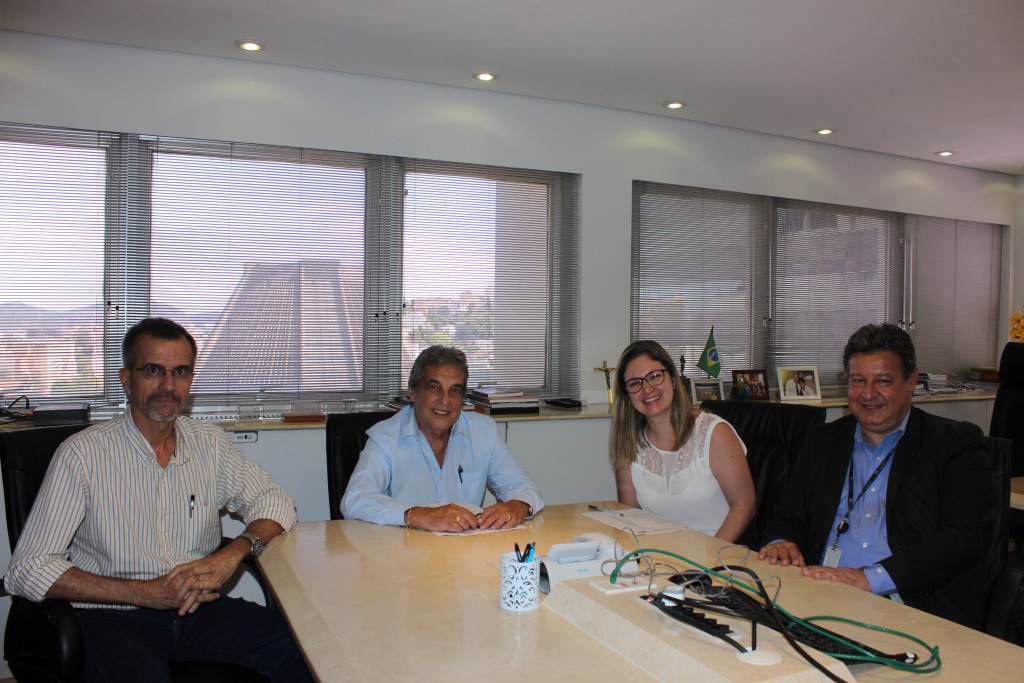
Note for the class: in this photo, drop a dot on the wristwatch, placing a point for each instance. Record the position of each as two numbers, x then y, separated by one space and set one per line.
257 544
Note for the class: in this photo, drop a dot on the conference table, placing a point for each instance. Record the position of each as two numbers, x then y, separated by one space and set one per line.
374 603
1017 493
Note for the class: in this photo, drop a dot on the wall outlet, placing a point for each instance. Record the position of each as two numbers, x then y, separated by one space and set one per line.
245 437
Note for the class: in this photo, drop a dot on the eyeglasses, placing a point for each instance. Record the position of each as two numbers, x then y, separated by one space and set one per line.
152 371
654 378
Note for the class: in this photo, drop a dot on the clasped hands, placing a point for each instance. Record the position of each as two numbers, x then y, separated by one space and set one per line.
187 586
786 553
455 518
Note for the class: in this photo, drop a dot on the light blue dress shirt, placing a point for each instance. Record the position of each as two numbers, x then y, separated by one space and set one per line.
397 470
866 542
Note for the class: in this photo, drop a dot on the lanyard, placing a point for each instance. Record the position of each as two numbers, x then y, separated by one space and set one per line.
844 524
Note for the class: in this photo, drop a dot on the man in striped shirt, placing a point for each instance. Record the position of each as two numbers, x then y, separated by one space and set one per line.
127 527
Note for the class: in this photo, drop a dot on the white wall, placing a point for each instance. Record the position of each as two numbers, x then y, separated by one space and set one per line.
88 85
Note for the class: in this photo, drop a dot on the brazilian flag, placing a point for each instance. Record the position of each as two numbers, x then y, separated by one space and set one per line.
709 357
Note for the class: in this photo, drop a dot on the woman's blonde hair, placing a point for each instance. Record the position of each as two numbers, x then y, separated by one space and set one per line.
628 424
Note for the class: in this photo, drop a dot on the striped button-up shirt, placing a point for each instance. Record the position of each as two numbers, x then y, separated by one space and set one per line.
108 508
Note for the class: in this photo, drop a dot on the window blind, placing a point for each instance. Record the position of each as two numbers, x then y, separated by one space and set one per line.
836 269
697 262
258 251
51 264
490 262
956 278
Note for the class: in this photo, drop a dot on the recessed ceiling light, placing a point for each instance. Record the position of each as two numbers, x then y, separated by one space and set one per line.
249 45
824 131
484 76
944 153
674 104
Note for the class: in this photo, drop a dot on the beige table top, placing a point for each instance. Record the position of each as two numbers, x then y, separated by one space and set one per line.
371 603
1017 493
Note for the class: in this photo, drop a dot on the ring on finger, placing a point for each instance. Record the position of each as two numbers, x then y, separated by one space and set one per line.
458 519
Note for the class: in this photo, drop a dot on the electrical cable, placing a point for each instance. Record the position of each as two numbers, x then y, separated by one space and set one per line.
7 415
911 662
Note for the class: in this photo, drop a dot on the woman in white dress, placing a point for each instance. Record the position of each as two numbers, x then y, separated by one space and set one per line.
672 460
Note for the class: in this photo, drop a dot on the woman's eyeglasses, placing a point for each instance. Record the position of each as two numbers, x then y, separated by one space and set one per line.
654 378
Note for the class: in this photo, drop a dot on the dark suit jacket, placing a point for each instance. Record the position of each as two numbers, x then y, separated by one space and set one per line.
941 510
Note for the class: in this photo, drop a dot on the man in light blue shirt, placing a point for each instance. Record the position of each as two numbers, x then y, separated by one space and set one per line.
428 466
865 544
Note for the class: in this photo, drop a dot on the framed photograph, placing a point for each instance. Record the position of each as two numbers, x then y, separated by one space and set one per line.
750 385
706 390
799 382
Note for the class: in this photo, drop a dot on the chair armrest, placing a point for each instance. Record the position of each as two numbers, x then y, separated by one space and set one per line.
1004 615
43 637
251 567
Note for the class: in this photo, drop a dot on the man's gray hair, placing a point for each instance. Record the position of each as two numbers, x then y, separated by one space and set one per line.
438 355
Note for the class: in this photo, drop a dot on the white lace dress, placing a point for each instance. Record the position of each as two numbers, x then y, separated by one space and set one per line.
679 485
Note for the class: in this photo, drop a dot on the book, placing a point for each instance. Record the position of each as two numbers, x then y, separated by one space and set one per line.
503 399
492 392
521 402
519 409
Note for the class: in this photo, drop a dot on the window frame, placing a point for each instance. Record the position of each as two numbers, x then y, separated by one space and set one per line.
128 205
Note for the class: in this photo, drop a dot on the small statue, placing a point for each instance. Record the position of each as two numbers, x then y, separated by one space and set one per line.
682 376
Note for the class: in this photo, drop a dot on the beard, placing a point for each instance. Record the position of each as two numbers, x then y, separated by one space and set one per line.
167 410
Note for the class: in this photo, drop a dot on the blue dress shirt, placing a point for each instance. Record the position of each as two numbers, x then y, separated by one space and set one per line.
397 470
866 542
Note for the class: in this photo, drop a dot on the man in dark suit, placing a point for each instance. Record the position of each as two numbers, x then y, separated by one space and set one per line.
891 499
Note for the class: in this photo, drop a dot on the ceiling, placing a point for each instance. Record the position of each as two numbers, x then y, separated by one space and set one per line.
903 77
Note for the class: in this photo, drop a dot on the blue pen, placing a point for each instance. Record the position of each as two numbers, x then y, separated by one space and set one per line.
529 553
460 474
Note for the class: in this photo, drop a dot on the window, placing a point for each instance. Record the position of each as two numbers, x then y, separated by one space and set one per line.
303 274
955 275
698 262
477 253
51 202
835 270
258 252
786 282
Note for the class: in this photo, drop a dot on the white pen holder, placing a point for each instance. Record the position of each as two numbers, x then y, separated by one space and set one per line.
520 584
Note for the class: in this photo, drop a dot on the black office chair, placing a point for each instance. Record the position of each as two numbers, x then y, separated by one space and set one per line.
43 641
773 434
346 437
1008 423
1004 613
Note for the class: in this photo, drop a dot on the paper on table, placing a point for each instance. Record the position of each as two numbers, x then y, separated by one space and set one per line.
640 521
475 532
476 510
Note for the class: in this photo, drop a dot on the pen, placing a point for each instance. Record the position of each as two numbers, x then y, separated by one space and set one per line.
519 555
191 505
460 473
598 508
529 552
